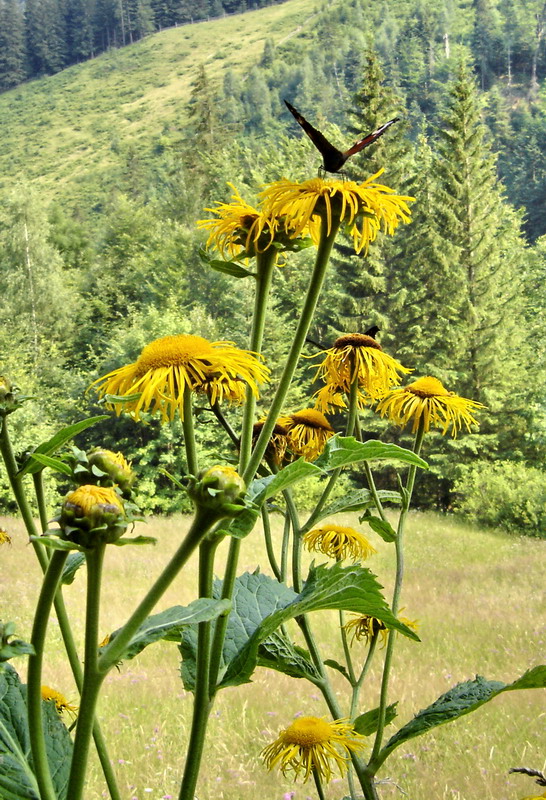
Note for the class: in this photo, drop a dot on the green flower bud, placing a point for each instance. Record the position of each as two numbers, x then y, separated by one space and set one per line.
114 466
219 489
92 515
9 400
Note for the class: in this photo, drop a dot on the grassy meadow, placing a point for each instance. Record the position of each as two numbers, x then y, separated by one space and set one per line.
477 595
63 132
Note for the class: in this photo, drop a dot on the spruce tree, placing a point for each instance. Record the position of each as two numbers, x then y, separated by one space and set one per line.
12 44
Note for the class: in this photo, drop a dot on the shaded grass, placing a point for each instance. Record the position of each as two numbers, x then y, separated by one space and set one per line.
126 98
476 594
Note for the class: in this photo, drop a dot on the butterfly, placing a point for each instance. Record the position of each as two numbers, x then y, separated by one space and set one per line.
332 158
373 331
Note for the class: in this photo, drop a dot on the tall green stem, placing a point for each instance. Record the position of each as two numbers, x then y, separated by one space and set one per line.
269 544
189 433
310 303
265 264
399 578
92 678
202 695
39 628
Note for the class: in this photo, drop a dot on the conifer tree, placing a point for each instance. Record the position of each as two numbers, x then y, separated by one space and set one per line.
12 44
45 36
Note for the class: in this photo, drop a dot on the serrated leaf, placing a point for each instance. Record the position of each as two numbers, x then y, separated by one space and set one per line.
367 723
53 463
73 563
17 781
168 624
255 596
341 451
381 527
279 653
460 700
352 588
242 525
62 437
356 500
263 488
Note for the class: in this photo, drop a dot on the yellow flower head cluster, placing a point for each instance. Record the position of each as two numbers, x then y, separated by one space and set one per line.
314 744
61 703
165 368
339 542
307 431
356 357
427 401
366 208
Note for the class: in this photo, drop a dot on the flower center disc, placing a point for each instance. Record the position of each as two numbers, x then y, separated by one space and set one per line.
312 418
428 387
308 731
170 351
356 340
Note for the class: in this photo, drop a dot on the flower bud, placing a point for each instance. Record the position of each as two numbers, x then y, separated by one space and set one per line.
92 515
9 400
219 489
117 470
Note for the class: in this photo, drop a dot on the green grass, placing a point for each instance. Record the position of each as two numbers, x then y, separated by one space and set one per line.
60 133
476 594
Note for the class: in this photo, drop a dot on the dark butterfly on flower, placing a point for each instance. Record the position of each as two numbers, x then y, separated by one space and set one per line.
332 158
373 331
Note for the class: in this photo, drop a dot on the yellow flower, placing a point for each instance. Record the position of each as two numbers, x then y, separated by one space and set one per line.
276 449
339 541
535 797
238 227
428 400
307 432
5 538
61 703
368 207
356 356
170 364
365 627
311 743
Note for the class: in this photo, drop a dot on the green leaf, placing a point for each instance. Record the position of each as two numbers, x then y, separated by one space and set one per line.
73 563
381 527
52 445
279 653
17 781
460 700
231 268
53 463
367 723
355 501
55 543
330 662
263 488
134 540
352 588
242 525
341 451
168 624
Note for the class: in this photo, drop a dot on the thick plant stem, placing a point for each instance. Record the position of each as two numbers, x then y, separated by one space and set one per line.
370 480
265 264
311 299
269 544
202 523
399 544
318 784
60 609
202 695
92 678
189 433
39 628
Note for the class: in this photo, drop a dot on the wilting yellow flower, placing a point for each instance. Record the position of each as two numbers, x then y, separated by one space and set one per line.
311 743
276 448
428 400
5 538
307 432
61 703
368 207
239 227
356 356
339 541
365 627
170 364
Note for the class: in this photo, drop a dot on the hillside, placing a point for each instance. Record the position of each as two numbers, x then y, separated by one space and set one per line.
60 132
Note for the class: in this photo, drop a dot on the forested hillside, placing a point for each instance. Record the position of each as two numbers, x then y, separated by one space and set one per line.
106 167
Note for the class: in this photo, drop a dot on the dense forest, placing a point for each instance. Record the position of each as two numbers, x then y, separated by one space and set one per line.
457 294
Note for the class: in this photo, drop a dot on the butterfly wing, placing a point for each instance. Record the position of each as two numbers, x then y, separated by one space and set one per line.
332 157
369 139
372 331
